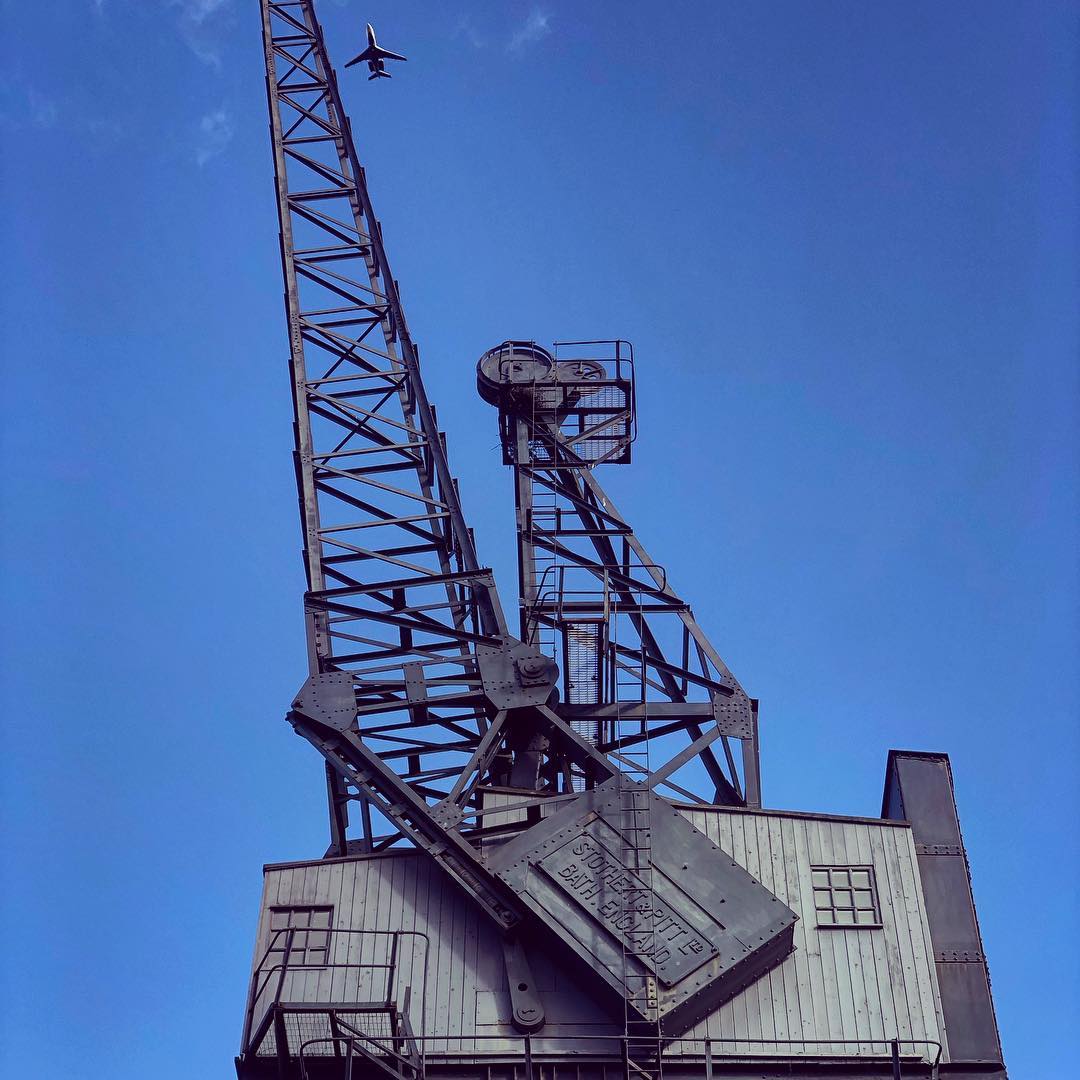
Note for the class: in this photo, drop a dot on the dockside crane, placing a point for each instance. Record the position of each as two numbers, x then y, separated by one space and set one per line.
428 711
537 768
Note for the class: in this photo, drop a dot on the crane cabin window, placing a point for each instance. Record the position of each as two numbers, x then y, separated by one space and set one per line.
299 936
845 896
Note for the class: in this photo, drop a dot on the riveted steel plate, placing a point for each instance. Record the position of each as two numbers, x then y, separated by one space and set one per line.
647 916
515 675
665 917
328 699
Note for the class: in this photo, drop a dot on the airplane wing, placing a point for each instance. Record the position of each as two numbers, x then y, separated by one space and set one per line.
386 54
369 53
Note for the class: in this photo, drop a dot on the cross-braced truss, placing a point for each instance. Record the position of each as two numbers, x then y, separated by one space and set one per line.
636 666
419 698
395 593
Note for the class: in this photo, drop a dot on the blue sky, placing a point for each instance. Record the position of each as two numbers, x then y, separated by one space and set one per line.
842 237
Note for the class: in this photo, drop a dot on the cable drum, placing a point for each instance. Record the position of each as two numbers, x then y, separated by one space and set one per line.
512 376
523 377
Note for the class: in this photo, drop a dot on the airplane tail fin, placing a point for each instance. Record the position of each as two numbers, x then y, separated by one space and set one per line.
379 75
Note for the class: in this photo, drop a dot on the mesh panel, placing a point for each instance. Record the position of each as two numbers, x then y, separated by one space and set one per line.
575 410
583 679
301 1028
606 405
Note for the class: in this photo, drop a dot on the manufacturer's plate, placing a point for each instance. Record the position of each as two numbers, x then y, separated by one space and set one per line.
658 935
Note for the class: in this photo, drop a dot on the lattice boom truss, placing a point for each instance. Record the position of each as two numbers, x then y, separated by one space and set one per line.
395 594
419 697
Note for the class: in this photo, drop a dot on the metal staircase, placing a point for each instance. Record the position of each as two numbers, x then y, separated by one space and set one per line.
359 1052
345 1013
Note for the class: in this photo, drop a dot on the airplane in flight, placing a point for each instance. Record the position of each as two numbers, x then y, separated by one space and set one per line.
375 55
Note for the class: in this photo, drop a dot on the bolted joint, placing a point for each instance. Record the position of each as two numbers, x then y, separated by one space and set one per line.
516 675
328 699
537 670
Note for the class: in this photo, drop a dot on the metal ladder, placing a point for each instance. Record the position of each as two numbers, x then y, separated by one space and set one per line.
642 1037
543 518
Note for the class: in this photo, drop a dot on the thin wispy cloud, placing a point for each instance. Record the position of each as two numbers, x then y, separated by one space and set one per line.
201 24
107 130
537 25
466 29
215 133
25 108
198 10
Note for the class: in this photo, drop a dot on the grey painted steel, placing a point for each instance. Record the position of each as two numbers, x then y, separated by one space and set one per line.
588 588
397 605
393 578
526 1007
855 984
439 726
700 924
919 789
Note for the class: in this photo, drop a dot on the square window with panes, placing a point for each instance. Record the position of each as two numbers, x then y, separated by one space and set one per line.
845 896
299 936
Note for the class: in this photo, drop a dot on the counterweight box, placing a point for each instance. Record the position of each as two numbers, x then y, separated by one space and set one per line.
660 912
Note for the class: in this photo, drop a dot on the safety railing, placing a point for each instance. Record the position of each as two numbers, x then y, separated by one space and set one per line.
562 604
708 1054
578 402
354 1055
614 354
370 983
616 358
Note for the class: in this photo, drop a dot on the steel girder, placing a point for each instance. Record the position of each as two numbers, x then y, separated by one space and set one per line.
637 667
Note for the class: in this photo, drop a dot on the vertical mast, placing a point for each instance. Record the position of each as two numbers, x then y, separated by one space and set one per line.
639 675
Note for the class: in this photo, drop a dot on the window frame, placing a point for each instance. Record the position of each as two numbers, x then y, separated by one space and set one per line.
299 954
832 909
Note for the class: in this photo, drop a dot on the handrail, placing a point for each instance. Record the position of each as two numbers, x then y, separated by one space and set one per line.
530 1054
258 986
622 356
350 1041
602 574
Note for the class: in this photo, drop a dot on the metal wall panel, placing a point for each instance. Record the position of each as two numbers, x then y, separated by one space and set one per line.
839 984
919 789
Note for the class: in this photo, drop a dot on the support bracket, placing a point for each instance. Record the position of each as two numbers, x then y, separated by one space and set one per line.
524 1000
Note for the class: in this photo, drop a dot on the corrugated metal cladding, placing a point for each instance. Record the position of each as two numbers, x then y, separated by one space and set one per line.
839 984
